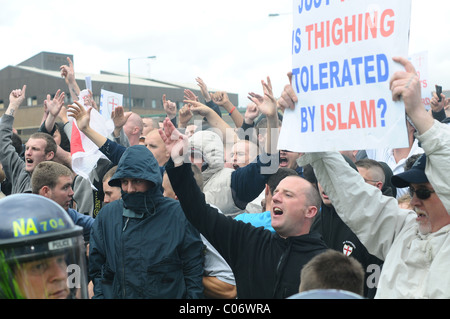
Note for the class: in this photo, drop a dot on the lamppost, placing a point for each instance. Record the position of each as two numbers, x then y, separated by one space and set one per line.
273 15
129 79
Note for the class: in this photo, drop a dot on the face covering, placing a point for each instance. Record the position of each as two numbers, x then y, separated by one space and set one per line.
138 202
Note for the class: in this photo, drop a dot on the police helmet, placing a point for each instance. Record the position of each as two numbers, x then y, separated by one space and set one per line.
33 228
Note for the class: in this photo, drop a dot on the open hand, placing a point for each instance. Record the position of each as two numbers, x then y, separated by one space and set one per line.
80 114
119 117
176 143
54 106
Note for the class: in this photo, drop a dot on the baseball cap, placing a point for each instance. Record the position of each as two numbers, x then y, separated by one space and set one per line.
416 174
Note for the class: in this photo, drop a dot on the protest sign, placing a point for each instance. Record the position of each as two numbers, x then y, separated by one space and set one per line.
108 102
88 81
342 54
420 62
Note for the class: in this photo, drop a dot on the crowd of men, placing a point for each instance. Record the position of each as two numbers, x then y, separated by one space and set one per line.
193 207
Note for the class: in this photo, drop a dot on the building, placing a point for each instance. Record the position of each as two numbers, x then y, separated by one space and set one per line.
41 74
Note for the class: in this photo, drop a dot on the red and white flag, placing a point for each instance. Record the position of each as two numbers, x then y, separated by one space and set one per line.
85 154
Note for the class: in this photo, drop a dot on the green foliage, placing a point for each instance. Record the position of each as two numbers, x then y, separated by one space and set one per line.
9 289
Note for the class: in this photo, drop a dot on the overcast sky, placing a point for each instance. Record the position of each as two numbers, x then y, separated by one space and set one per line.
232 45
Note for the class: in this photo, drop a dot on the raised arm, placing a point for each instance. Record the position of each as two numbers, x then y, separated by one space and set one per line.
433 136
68 73
288 97
54 107
10 159
438 107
405 85
119 119
185 116
251 113
16 97
221 98
207 96
90 101
189 95
203 89
170 108
176 143
267 105
228 134
111 149
249 181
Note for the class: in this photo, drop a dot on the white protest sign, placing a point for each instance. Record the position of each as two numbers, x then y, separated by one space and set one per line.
420 62
342 54
88 81
108 102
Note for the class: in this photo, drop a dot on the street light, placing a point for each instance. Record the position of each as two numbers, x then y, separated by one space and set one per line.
129 80
272 15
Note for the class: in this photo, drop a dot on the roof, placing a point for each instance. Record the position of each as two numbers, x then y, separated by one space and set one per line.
183 85
104 77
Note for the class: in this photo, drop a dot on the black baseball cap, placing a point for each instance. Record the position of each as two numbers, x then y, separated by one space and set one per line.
416 174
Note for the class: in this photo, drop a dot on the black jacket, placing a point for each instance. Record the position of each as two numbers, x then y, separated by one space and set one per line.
338 236
264 264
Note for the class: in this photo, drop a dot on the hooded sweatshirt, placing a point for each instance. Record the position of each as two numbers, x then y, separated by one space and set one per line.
145 239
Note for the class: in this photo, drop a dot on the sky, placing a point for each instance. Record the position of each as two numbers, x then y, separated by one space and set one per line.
232 45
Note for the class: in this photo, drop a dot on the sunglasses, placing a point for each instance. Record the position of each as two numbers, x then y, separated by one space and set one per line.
421 193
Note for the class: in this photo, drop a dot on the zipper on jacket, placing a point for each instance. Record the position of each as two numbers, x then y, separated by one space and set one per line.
280 267
124 289
126 224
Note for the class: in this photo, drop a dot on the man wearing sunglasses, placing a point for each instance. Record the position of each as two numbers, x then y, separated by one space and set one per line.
414 244
423 197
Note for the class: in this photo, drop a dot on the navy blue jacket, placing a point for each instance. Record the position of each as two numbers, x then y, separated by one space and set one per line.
145 239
